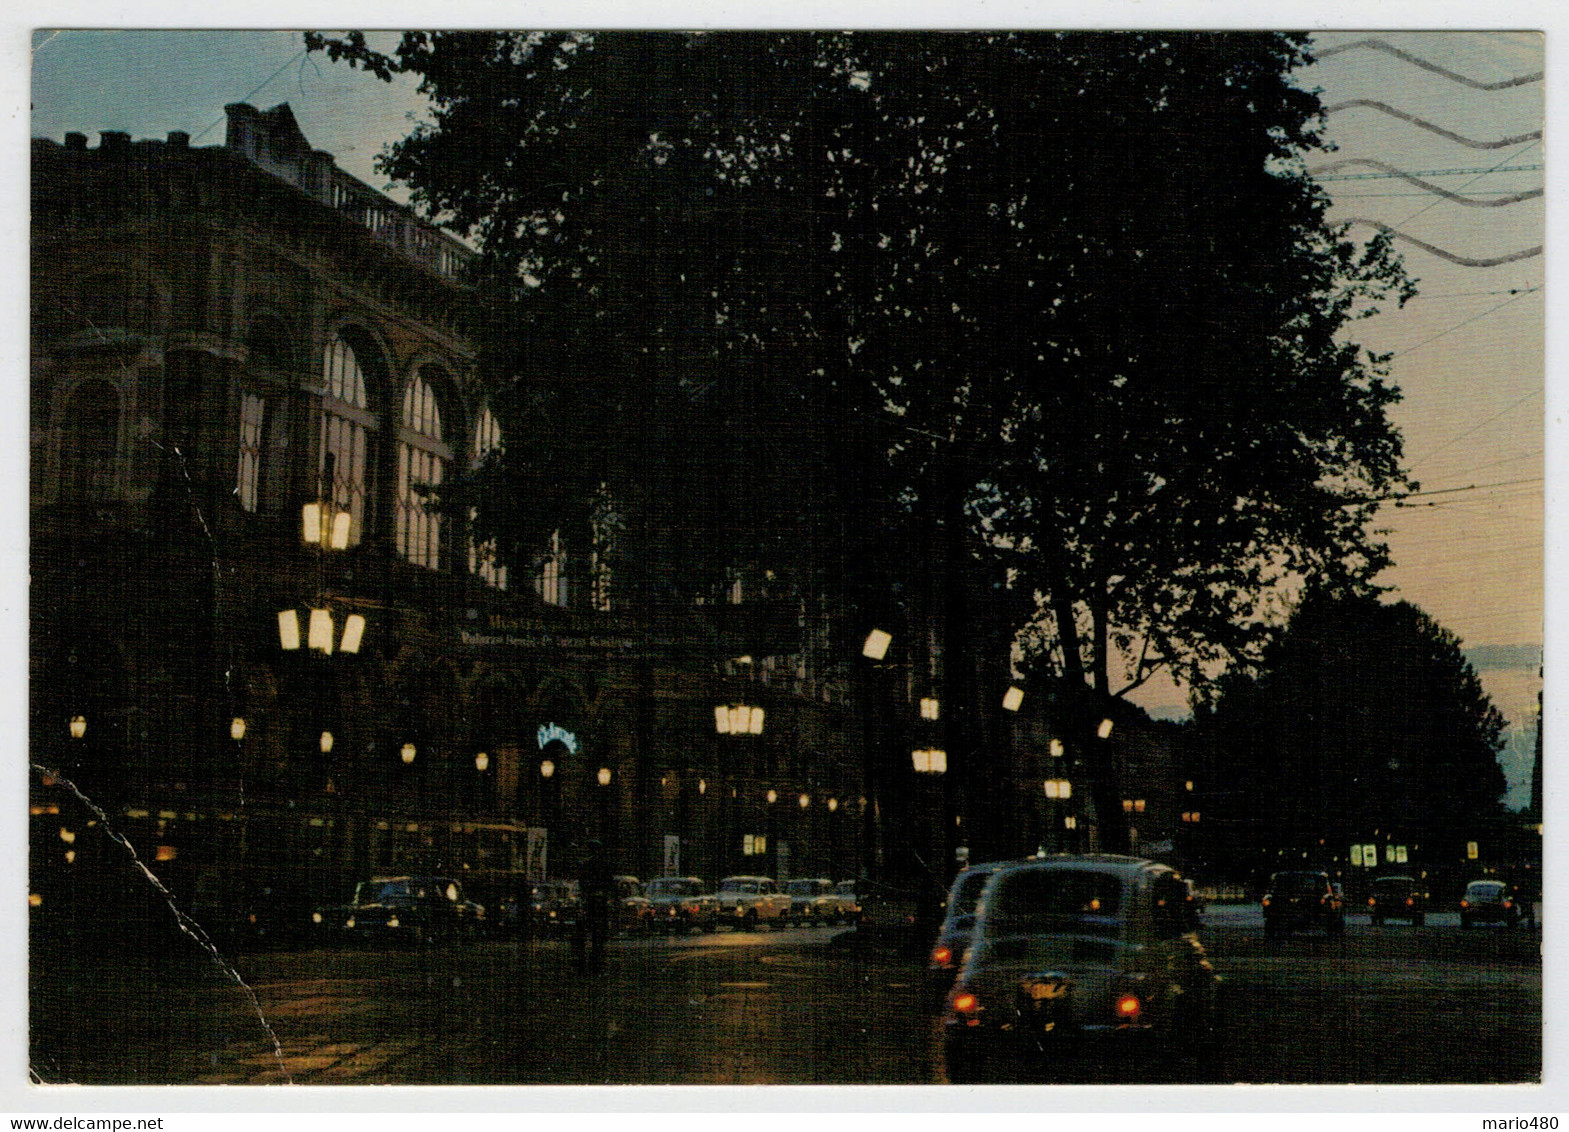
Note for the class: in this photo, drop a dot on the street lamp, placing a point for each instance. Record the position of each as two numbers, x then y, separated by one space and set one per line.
1013 698
407 753
738 719
604 776
1104 730
547 768
929 760
323 525
326 742
482 762
237 729
805 800
319 631
78 726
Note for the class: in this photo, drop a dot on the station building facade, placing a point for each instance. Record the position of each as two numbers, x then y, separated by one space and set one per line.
253 644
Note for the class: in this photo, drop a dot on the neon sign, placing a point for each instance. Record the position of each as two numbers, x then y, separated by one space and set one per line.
554 732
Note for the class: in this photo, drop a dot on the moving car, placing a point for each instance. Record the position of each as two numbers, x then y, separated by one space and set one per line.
1302 899
681 904
1488 902
1397 898
745 902
409 910
953 937
1070 950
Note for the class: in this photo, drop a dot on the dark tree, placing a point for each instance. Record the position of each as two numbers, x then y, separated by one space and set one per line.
1363 716
1064 305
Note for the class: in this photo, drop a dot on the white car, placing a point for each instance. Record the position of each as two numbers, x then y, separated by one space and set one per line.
747 902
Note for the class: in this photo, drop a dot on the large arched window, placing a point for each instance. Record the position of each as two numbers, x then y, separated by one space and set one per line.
89 443
347 424
482 555
422 464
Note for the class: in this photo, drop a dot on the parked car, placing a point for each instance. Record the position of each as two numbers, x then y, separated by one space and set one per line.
1489 902
849 902
409 910
634 912
1066 951
681 904
747 902
813 901
953 937
1302 899
1397 898
553 905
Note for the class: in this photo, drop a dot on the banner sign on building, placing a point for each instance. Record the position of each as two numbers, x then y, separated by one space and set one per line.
534 862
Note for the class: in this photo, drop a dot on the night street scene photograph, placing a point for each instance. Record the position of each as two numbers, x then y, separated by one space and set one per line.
795 557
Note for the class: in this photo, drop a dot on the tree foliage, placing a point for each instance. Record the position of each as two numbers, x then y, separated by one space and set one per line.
1363 716
780 295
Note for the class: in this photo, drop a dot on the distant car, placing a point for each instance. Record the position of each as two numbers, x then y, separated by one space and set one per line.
1302 899
634 912
814 901
953 937
1397 898
746 902
1489 902
553 905
414 909
849 902
681 904
1066 951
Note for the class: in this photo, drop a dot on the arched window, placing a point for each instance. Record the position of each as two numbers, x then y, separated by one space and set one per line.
347 424
482 555
422 464
89 443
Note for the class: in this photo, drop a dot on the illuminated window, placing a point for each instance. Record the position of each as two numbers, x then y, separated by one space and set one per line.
342 460
482 555
253 413
552 583
422 463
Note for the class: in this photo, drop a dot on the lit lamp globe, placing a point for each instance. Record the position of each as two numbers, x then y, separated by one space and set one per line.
604 776
78 726
482 762
407 753
547 768
237 729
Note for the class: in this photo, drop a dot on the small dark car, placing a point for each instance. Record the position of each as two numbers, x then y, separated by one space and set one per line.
1067 953
409 910
1302 899
1489 902
958 922
1397 898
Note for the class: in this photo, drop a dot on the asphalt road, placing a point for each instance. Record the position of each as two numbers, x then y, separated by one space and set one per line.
802 1006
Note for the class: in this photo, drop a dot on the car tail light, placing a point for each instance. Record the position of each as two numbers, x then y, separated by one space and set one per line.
1128 1006
942 956
1508 904
1372 902
1409 901
1465 904
1265 902
965 1003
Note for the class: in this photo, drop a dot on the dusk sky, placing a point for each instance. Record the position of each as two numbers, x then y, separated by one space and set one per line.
1468 351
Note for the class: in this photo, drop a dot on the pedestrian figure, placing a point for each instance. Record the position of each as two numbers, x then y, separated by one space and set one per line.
595 889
